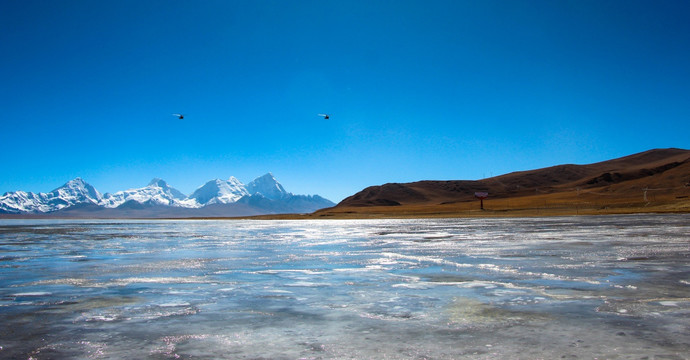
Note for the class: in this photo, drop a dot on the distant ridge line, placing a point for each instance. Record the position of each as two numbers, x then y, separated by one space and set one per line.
624 179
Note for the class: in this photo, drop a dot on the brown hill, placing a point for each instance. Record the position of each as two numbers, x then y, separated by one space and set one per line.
654 180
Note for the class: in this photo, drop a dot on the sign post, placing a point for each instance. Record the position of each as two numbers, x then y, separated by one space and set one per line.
481 196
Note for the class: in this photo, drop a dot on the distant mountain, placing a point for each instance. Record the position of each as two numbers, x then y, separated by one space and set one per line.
157 192
217 197
74 192
268 186
219 192
666 172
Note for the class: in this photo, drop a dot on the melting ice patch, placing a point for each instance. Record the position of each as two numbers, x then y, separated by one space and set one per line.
589 287
31 294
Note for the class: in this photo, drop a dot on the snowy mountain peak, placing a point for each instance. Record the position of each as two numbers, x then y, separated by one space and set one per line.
167 189
157 192
77 180
219 192
80 189
23 202
268 186
76 191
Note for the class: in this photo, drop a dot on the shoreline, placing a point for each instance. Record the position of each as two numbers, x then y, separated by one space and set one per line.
401 212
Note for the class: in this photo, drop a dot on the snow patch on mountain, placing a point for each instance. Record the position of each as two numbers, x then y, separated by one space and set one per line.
264 195
77 191
218 192
21 201
74 192
267 186
157 192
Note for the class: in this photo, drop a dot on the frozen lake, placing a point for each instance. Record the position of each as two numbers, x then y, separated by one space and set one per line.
614 287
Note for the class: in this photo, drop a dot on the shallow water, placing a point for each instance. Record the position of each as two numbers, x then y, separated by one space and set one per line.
615 287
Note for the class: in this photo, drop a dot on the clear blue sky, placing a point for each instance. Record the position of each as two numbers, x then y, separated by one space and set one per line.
419 90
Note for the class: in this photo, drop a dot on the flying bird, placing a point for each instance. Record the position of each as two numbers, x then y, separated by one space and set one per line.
325 116
179 116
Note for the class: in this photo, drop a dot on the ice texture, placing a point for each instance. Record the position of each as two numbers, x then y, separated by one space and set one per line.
531 288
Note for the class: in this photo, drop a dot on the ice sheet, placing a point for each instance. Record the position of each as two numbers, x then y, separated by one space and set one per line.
586 287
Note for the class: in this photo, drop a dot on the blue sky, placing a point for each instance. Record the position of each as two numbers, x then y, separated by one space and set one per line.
419 90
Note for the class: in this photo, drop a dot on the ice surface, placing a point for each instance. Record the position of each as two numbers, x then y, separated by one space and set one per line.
571 287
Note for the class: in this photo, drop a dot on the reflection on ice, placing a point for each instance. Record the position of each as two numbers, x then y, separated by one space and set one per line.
587 287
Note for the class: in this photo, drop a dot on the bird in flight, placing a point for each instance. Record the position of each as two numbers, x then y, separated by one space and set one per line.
325 116
179 116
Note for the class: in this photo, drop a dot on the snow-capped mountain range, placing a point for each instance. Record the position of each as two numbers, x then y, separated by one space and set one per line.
74 192
264 195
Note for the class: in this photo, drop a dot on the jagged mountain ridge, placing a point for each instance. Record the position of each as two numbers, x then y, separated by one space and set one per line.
217 198
157 192
75 191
